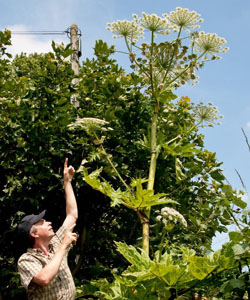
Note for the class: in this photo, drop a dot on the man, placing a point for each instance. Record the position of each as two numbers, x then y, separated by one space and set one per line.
43 268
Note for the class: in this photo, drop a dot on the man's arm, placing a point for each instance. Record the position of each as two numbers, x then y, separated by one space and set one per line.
71 205
45 276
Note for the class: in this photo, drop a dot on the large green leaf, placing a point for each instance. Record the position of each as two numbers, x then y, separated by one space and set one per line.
104 187
200 267
138 273
177 149
171 273
133 256
142 197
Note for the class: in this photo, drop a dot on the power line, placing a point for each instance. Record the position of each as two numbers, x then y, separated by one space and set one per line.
29 32
48 32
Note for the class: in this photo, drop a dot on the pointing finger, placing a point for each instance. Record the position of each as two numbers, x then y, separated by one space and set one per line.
66 163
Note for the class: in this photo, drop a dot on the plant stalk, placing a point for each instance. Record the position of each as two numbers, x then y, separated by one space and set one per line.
153 155
151 177
113 166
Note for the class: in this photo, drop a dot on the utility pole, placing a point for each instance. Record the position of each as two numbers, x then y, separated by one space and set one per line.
74 40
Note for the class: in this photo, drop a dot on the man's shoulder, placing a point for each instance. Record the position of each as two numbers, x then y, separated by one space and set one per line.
28 257
25 255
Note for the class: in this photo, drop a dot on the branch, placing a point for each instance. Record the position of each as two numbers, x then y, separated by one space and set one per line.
179 75
234 219
172 57
243 184
246 139
113 166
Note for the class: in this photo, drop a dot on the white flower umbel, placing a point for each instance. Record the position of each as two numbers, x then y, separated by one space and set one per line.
154 23
210 43
170 214
126 29
206 114
92 121
89 124
184 18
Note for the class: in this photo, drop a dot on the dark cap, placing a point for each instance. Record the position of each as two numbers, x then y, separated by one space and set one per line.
27 222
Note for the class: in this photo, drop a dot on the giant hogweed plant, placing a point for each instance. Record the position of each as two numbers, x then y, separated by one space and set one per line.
162 67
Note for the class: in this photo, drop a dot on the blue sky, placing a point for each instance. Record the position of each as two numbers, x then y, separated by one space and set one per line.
225 82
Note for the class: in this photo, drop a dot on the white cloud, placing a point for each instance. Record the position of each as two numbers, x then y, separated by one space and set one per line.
248 125
31 43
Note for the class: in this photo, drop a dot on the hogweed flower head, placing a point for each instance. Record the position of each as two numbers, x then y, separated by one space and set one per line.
154 23
169 214
89 124
206 114
184 18
210 43
126 29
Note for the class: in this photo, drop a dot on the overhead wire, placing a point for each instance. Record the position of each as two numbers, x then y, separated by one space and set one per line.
51 32
44 32
30 32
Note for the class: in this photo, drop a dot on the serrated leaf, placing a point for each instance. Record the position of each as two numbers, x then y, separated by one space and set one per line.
200 267
175 275
177 149
130 282
133 256
139 273
187 253
104 187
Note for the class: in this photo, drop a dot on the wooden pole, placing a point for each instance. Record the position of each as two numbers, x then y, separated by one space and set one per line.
75 59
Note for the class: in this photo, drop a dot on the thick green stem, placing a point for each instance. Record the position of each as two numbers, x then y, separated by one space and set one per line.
151 177
153 156
145 237
152 168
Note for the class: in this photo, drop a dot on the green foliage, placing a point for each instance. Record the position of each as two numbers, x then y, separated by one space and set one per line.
35 137
136 197
5 40
172 273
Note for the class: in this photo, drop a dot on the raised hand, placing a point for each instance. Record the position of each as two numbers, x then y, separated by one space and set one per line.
68 172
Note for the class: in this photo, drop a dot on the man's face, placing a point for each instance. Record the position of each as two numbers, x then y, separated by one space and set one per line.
44 229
